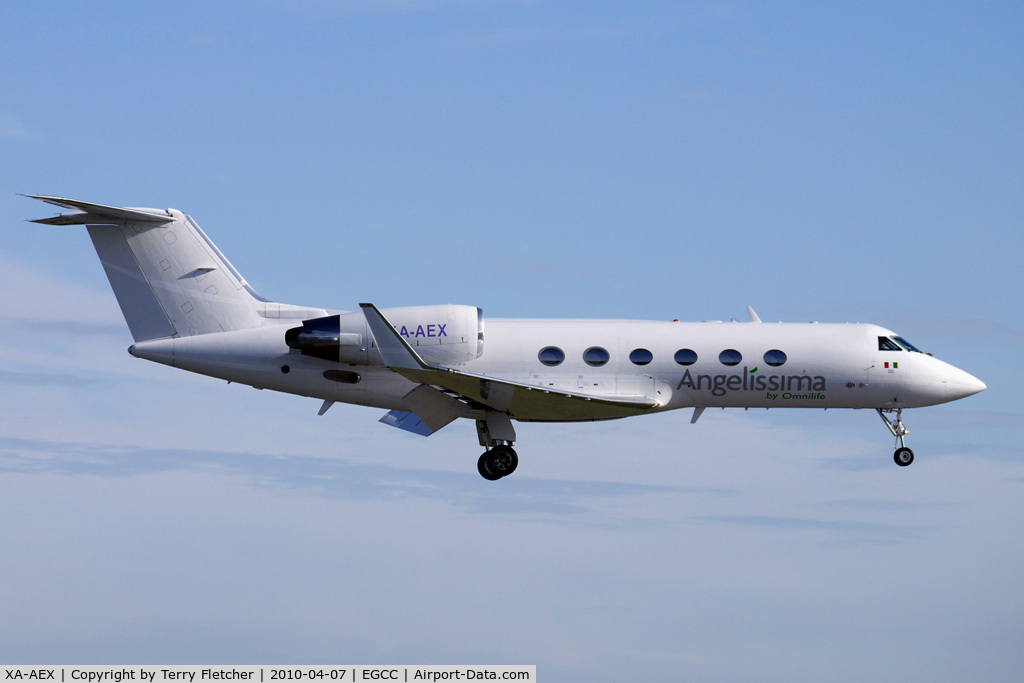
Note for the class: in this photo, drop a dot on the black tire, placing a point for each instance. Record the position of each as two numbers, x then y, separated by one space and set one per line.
501 460
903 456
482 468
511 460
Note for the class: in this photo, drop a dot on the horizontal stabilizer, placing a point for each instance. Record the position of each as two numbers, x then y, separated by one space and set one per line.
88 213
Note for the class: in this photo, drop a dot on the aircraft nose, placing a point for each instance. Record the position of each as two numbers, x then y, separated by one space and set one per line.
962 384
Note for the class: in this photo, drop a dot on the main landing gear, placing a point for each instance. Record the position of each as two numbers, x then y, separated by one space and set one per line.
496 435
497 462
903 455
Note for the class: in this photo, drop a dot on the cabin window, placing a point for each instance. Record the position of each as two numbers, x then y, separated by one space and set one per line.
886 344
905 344
686 356
551 356
641 356
595 356
774 358
730 357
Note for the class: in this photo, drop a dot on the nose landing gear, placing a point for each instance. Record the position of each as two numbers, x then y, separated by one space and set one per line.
903 455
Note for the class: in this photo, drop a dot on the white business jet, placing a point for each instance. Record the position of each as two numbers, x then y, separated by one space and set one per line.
187 307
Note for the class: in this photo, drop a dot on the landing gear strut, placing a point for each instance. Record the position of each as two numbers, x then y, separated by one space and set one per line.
903 455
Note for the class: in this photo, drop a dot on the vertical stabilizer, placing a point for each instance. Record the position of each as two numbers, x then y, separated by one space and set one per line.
169 279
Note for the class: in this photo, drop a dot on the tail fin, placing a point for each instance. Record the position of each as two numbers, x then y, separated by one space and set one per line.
168 277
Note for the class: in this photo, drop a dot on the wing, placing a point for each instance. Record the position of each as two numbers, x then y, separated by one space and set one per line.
519 400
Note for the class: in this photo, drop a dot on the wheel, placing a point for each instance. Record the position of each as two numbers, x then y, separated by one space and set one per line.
503 460
903 456
500 460
485 472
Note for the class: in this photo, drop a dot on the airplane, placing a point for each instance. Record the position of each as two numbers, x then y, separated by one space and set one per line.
187 307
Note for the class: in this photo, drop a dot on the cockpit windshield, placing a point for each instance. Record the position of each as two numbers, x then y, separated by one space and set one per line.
907 345
887 344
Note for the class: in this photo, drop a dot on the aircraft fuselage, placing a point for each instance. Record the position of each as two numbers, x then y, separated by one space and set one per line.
770 365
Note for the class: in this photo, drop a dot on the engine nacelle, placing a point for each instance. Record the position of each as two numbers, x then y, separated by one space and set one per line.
446 335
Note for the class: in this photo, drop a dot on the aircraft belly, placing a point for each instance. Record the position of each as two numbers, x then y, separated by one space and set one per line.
375 388
557 410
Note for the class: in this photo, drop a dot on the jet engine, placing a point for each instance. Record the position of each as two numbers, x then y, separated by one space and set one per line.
443 335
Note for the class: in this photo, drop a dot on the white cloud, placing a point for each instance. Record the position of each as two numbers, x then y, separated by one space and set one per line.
143 554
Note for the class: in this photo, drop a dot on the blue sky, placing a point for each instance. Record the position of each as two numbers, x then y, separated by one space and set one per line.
819 161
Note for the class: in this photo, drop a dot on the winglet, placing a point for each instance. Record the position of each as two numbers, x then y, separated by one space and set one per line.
753 316
395 351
